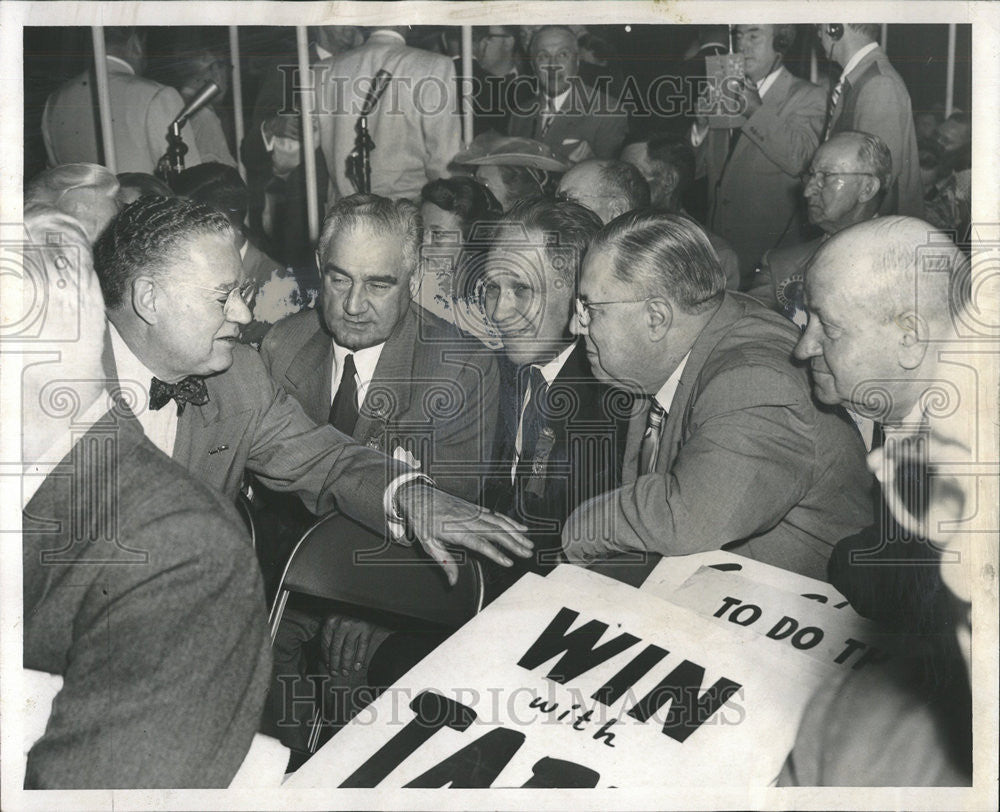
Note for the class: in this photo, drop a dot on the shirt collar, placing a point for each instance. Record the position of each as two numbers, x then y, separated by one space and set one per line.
130 368
388 32
122 62
555 103
665 396
365 360
551 369
321 52
852 63
768 80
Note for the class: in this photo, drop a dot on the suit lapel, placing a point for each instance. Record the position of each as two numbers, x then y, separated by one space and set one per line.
388 394
310 375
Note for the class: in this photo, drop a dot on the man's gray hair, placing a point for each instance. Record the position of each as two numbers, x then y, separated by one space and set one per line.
384 216
874 157
664 255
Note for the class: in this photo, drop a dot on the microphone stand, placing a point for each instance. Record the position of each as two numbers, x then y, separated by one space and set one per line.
359 169
171 163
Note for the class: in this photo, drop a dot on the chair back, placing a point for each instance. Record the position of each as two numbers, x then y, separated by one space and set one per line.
340 560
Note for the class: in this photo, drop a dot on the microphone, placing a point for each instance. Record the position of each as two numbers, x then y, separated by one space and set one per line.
200 99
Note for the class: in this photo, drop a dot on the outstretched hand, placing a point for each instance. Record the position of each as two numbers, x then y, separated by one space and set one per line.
439 520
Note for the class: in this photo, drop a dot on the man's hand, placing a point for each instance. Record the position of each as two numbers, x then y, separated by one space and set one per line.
751 98
347 643
438 519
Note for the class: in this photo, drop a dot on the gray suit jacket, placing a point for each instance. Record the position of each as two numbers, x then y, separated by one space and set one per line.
586 115
754 196
251 424
432 387
875 100
747 461
142 592
141 110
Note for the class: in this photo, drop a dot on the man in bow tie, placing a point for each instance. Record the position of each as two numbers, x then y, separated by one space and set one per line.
730 450
171 278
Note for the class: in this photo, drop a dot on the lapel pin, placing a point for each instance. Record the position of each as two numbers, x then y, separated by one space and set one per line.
217 449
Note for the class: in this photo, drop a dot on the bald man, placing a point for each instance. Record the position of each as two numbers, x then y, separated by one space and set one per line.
607 188
880 297
882 338
845 184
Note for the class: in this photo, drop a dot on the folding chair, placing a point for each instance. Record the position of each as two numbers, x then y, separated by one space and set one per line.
340 560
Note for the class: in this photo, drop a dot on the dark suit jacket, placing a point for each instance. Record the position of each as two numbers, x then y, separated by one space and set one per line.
432 387
157 626
754 196
875 100
747 461
587 115
589 420
778 284
493 97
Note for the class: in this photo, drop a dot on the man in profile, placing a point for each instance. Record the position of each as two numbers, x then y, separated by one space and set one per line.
142 598
845 184
729 450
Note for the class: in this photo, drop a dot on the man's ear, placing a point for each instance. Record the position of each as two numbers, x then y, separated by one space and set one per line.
913 336
869 188
415 276
144 299
669 178
659 316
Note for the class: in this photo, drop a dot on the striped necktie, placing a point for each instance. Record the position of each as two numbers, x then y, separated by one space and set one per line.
649 450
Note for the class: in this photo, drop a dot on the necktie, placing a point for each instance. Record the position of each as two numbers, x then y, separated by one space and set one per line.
831 106
533 419
190 390
344 411
650 448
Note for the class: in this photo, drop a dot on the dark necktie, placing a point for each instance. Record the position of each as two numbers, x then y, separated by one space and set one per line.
344 411
831 106
190 390
537 438
650 448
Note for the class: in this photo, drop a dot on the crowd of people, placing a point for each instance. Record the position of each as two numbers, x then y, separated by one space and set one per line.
544 348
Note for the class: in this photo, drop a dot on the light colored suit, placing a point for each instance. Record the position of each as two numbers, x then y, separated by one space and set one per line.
875 100
141 113
416 127
432 387
754 197
747 461
141 591
586 115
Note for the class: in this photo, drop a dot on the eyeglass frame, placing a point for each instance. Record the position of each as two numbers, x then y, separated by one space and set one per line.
249 285
584 315
807 176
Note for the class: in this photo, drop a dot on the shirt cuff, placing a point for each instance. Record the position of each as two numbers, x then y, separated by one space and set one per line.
268 139
395 521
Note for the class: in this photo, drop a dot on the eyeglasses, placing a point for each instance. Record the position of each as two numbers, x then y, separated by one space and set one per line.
820 177
585 310
245 290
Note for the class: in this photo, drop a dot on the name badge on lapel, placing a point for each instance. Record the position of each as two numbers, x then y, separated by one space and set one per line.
543 448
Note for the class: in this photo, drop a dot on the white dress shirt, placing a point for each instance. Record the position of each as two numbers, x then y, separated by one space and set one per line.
852 63
365 362
159 426
665 395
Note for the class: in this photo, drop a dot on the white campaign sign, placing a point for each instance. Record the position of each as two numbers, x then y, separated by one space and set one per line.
576 680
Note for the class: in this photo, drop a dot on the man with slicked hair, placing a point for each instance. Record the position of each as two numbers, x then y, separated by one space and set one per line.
728 449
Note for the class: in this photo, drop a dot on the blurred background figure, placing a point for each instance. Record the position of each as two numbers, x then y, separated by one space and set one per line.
607 188
496 70
948 197
513 169
280 292
142 111
86 192
925 122
133 185
667 163
458 215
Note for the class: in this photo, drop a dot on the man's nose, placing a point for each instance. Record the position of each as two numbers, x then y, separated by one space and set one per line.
576 325
807 346
356 301
238 311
